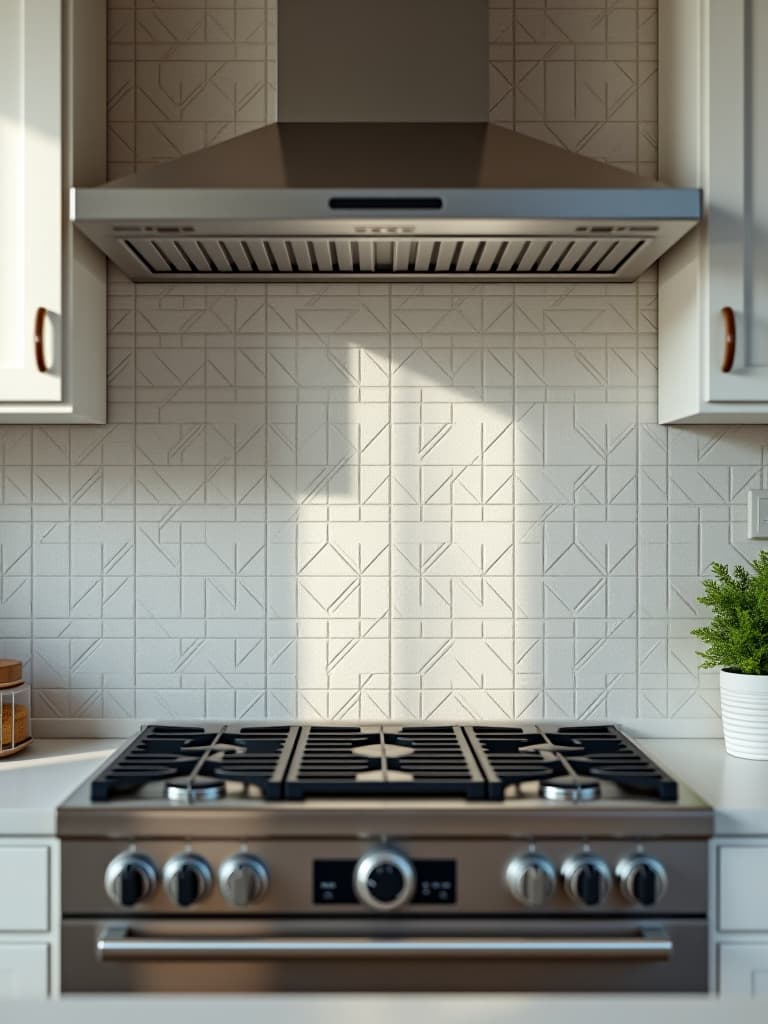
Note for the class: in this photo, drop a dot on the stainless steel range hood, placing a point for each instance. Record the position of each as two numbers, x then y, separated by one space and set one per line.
363 178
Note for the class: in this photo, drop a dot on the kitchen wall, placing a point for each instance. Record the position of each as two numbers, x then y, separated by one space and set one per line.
372 501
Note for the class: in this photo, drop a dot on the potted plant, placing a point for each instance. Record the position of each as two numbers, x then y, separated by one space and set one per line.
737 644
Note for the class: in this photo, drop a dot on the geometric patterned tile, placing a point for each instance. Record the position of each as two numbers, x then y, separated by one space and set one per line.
364 501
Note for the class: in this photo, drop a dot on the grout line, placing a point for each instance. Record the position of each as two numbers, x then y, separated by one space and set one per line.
390 531
637 386
269 43
637 501
638 131
513 460
134 417
134 397
265 513
206 482
135 83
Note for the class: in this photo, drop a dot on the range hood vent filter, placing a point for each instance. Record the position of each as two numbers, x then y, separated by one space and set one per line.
358 258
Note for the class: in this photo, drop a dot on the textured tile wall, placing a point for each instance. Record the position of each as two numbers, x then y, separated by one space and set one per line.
372 501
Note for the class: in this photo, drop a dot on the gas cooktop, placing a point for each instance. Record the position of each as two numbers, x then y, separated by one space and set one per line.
192 764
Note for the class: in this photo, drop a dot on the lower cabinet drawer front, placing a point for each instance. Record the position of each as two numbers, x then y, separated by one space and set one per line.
744 969
24 891
23 970
743 894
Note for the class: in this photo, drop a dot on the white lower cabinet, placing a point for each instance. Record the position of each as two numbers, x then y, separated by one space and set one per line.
29 917
743 969
24 970
742 904
739 898
26 896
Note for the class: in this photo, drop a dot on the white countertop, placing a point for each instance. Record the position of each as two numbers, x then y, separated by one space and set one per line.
35 782
736 788
477 1008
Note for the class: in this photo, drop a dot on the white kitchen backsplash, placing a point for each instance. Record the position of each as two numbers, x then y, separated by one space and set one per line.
372 501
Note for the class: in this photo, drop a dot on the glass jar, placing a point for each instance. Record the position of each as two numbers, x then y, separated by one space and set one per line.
16 718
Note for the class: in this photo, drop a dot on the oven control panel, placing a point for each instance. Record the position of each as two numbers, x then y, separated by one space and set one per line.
381 882
359 876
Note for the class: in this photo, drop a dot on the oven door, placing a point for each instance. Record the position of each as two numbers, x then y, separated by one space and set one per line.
460 954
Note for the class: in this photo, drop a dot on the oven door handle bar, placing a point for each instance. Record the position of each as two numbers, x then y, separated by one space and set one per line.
120 944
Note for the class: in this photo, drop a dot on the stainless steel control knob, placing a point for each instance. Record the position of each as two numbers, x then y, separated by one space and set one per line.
384 880
531 879
587 879
642 879
129 879
243 879
187 879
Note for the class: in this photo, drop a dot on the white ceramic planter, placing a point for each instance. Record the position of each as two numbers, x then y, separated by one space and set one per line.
744 704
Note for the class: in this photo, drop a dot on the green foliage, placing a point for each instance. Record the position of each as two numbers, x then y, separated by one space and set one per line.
737 636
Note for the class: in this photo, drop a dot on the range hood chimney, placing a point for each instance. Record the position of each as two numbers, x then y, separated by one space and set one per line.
382 166
395 61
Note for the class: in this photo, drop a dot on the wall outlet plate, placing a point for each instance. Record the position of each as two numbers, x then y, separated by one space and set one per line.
757 515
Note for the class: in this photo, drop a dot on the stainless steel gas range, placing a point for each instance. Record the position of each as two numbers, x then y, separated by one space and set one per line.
420 857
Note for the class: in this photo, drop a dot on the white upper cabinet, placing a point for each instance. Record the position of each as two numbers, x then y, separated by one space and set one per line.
713 287
52 281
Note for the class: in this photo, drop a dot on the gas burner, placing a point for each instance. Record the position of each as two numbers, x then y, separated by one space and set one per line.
550 748
194 791
215 749
570 789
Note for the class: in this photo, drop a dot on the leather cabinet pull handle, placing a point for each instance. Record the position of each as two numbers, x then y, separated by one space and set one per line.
729 352
39 352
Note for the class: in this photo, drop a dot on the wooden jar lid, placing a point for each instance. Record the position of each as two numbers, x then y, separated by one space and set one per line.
10 672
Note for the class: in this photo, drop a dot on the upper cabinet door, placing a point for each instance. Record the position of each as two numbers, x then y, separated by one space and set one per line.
30 194
52 287
738 214
713 288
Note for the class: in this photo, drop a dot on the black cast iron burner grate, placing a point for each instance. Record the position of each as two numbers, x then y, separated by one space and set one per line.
428 760
255 756
511 756
292 762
